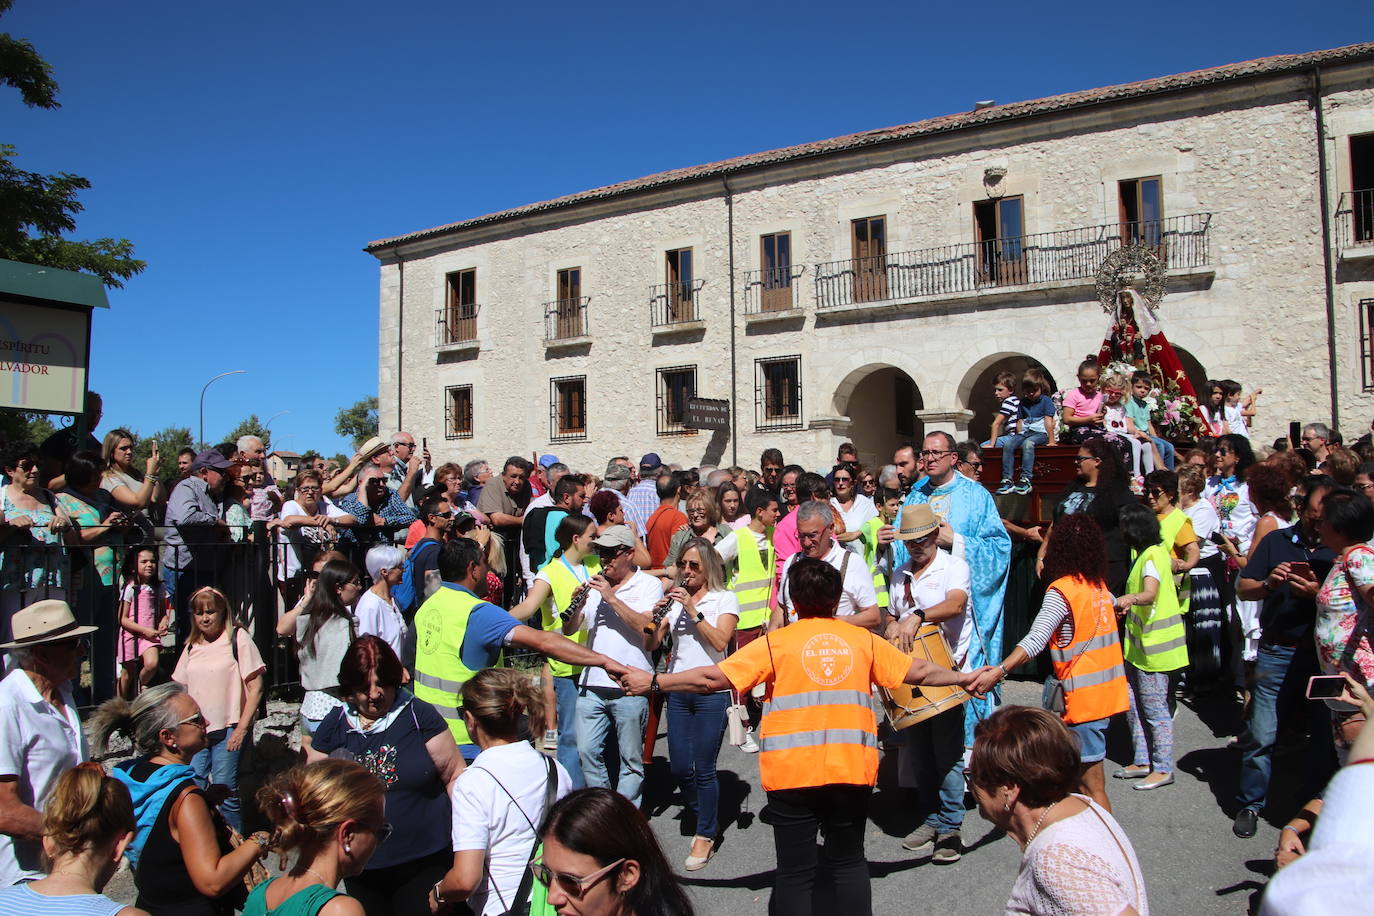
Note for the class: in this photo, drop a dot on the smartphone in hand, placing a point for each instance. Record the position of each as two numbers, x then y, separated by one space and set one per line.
1301 568
1325 686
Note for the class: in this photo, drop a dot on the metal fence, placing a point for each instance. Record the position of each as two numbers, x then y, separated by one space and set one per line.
1070 254
674 303
1355 219
456 324
774 289
566 318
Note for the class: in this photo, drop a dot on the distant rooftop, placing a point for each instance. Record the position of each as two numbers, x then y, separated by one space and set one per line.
1265 66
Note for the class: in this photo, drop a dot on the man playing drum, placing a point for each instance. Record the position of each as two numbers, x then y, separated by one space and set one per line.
932 587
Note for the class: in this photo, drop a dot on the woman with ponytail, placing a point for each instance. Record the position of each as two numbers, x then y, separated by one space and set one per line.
500 800
87 822
184 863
331 813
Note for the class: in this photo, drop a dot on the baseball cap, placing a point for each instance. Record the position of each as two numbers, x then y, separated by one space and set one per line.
615 536
211 459
546 460
650 460
619 472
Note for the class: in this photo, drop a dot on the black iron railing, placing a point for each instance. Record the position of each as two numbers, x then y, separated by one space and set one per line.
675 303
566 318
1046 257
1355 219
455 324
775 289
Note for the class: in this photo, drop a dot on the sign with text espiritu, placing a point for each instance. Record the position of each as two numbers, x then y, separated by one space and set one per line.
706 413
43 357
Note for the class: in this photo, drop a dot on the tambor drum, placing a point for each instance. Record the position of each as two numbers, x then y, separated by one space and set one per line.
906 705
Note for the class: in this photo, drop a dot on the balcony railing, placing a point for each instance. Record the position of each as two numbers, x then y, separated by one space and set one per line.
566 319
1355 219
1047 257
675 303
455 324
772 290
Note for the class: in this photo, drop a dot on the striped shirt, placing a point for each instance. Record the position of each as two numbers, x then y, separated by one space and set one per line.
21 900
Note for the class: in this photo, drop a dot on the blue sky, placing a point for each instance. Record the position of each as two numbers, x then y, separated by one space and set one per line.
251 149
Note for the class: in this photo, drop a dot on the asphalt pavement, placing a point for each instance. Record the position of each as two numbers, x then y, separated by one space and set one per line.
1192 863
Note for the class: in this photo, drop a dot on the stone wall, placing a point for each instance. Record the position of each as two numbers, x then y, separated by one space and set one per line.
1255 312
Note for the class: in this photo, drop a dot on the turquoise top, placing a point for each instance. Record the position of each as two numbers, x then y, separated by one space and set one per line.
305 902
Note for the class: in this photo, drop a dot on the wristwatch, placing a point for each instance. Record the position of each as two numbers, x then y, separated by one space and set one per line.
653 683
921 613
700 617
434 894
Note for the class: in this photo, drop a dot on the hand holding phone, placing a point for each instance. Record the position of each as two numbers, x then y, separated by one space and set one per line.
1325 686
1302 569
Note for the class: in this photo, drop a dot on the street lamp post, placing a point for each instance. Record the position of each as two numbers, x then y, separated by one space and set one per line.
202 398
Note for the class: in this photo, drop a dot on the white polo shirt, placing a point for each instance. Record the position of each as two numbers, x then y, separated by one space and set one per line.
858 590
37 744
945 573
611 636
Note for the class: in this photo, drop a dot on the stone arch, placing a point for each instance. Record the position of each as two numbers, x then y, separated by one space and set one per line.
975 388
881 401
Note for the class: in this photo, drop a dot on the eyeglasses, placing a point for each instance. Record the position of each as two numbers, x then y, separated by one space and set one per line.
925 538
690 564
1366 487
838 479
571 884
976 465
1154 492
934 453
1079 459
403 444
307 489
197 720
446 514
610 553
382 831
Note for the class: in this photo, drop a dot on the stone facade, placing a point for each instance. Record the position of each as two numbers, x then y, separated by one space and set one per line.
1238 157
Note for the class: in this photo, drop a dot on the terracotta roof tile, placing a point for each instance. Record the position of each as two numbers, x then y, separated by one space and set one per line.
1263 66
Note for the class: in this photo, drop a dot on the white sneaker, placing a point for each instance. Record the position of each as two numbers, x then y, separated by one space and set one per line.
750 746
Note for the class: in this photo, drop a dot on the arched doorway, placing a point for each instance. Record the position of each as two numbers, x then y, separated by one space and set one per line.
1193 369
881 406
976 389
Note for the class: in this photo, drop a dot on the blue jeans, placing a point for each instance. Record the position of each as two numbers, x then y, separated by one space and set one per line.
565 692
1027 441
218 765
1166 451
595 716
937 748
1278 696
696 726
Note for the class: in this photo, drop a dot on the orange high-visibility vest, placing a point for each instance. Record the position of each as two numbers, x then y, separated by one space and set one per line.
1091 667
818 727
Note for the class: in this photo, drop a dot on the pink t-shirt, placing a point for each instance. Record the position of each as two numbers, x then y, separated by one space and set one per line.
1081 404
785 543
215 681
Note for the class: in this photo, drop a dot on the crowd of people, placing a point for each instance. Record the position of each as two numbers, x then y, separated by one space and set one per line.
487 655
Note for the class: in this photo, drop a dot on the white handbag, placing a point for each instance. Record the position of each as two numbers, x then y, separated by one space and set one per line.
735 716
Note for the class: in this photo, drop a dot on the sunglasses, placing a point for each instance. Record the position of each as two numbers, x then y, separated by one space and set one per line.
571 884
842 479
197 720
1079 459
1154 493
610 553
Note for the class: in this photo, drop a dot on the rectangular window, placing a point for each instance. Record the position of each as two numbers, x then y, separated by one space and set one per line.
675 385
869 241
999 227
569 317
778 395
681 302
1142 211
460 311
568 408
458 412
1362 187
776 260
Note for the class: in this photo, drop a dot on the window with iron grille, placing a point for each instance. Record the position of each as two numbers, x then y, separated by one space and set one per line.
778 393
458 412
568 408
675 385
1367 343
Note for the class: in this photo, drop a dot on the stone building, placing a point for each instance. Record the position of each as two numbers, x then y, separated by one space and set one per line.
870 286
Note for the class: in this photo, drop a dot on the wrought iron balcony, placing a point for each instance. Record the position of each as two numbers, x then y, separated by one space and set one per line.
566 319
1355 221
772 290
1046 257
456 325
675 303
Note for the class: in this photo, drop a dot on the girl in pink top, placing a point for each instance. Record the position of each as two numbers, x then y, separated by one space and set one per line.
1083 412
144 616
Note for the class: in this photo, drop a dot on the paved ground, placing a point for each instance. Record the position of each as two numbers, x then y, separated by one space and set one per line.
1191 861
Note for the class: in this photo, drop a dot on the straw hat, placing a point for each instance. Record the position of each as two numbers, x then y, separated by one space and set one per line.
916 522
44 621
373 446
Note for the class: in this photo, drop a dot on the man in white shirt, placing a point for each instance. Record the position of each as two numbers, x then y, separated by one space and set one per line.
933 587
619 620
40 730
816 531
